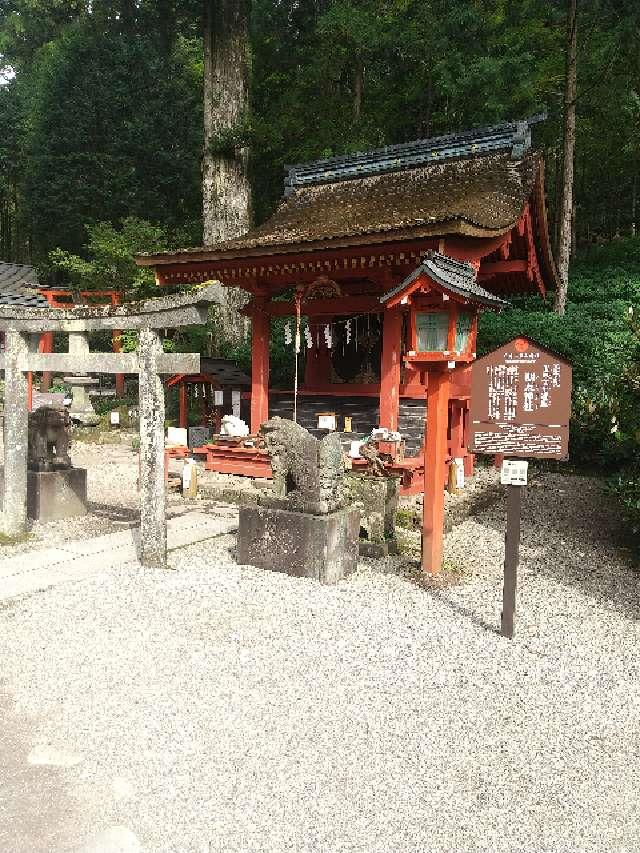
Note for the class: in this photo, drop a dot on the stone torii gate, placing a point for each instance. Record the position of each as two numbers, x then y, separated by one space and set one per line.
23 326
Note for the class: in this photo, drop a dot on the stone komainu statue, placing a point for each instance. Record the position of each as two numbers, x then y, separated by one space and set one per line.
308 473
49 439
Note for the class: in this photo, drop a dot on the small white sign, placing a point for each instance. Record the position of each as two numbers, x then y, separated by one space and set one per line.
186 474
354 449
218 398
459 461
235 403
115 418
514 472
327 422
176 435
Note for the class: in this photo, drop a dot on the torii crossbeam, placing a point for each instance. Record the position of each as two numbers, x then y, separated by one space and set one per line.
22 325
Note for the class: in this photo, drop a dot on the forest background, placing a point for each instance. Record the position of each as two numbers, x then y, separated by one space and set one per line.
101 147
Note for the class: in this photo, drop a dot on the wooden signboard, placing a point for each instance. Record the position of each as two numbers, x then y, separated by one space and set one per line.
520 407
521 402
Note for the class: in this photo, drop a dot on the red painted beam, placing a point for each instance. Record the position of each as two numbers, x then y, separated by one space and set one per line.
340 305
46 345
491 268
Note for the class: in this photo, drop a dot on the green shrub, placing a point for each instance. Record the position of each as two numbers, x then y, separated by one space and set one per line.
601 338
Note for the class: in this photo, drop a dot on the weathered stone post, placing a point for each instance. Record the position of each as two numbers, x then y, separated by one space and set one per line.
153 528
16 435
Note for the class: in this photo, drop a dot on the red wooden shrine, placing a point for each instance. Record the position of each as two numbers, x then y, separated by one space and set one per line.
375 238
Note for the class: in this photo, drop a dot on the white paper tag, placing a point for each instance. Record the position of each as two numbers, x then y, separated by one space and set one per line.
218 398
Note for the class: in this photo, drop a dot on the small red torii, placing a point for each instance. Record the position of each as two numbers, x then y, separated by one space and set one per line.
63 299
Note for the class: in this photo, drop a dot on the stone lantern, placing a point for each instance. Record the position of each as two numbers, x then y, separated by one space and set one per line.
81 411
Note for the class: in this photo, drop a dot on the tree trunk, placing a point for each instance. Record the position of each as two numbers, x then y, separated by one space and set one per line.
166 25
358 90
226 193
566 207
225 185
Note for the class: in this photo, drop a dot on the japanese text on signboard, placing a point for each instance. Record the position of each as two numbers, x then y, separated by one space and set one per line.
520 401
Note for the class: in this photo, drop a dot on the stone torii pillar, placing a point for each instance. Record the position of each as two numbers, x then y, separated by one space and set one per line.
153 534
16 434
22 324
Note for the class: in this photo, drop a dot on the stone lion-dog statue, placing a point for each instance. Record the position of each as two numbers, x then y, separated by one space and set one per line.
308 473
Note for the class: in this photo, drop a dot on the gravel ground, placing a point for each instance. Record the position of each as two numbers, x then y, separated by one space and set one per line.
114 500
222 708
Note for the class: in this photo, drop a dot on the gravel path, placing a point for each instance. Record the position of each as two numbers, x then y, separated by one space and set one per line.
222 708
113 497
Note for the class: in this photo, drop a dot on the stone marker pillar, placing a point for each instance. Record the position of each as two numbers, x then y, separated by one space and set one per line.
16 435
153 528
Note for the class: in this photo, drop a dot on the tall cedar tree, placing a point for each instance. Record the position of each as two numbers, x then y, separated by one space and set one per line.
566 228
225 185
226 192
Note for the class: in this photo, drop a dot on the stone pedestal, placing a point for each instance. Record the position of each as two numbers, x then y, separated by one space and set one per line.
52 495
81 411
378 497
324 547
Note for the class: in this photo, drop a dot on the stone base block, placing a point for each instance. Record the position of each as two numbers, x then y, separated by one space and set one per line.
388 548
52 495
324 547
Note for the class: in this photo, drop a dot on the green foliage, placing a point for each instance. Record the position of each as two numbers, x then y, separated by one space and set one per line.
111 263
102 140
229 141
111 129
601 338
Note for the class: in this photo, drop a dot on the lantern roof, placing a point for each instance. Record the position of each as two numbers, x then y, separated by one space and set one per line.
455 278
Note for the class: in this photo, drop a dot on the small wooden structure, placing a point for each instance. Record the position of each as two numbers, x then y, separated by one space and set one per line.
363 249
217 374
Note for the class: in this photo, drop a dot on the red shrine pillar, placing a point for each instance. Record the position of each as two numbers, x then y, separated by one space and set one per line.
317 372
183 402
435 452
46 345
390 368
116 346
260 329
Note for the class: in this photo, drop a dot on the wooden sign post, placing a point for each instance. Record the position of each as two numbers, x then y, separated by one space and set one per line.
520 407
